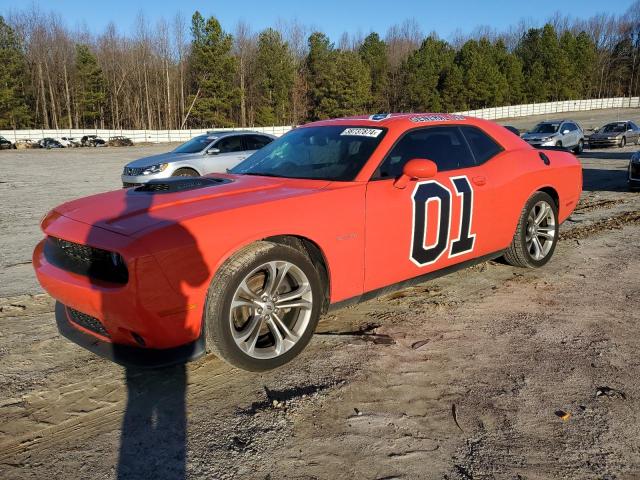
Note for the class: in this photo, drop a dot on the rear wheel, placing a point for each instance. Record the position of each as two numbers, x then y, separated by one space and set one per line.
537 233
185 172
263 306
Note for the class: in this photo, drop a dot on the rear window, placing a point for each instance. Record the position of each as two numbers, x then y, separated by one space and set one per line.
482 145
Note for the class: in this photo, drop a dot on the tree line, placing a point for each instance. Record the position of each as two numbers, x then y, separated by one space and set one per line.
190 74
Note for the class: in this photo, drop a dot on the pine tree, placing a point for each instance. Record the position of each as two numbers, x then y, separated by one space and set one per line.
274 76
452 89
421 74
373 52
14 112
213 69
91 85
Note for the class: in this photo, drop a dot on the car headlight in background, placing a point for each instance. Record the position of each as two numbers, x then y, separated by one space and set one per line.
155 169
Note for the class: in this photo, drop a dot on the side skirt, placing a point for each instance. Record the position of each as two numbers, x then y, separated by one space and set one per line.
413 281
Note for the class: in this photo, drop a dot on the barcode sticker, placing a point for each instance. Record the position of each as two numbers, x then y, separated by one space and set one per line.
362 132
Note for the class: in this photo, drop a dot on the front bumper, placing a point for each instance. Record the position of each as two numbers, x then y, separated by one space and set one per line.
596 143
146 311
634 175
125 355
136 180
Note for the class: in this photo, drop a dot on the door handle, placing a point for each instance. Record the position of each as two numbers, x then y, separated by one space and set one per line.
479 180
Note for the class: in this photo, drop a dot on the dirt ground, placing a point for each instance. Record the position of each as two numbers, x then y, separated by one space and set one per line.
492 372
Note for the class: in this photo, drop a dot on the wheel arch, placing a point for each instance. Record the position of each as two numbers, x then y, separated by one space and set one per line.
300 242
552 192
315 253
186 167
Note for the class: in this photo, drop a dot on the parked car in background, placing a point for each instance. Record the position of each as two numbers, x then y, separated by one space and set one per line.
119 141
93 141
208 153
556 133
68 142
50 143
633 172
6 144
27 143
615 134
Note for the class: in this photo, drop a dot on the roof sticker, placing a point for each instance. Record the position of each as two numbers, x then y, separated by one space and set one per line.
436 118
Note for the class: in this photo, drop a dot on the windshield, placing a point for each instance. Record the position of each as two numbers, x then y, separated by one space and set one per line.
323 153
195 145
546 128
613 127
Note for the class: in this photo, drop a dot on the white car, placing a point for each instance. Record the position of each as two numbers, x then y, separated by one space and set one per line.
213 152
68 142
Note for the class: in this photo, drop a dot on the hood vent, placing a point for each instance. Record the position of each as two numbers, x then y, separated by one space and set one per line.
179 184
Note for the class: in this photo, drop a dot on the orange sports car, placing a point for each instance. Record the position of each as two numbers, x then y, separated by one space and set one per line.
243 264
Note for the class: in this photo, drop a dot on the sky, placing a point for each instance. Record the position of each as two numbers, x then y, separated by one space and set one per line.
333 17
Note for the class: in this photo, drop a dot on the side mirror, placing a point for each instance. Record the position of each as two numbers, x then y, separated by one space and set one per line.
213 151
416 169
565 131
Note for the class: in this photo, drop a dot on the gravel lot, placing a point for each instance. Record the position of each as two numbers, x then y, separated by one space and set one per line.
492 372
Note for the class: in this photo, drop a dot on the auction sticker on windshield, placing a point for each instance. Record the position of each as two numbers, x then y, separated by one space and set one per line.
362 132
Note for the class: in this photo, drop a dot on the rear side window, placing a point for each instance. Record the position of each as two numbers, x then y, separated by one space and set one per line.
230 144
256 142
482 145
444 145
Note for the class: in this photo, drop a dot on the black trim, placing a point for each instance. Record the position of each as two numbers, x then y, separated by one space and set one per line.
551 147
126 355
413 281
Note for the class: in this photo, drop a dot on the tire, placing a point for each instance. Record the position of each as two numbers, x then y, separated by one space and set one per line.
579 148
559 144
623 142
519 253
185 172
243 335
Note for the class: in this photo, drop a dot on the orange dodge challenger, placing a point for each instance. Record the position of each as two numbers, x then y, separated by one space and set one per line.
243 264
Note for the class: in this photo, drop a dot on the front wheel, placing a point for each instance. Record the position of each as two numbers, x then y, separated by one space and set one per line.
623 142
263 306
537 233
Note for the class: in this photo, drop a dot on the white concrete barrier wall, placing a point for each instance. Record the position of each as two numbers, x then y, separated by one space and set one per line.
137 136
163 136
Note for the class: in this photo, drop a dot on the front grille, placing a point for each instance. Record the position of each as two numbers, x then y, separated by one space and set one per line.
133 171
88 322
129 184
84 260
179 184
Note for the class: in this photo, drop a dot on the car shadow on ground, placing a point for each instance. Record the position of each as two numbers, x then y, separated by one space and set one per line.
607 155
604 180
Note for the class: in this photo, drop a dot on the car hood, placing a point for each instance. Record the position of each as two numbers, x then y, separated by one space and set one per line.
161 158
129 211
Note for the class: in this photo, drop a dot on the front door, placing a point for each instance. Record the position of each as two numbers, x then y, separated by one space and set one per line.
429 224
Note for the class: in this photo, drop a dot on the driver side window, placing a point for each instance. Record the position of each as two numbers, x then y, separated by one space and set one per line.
444 145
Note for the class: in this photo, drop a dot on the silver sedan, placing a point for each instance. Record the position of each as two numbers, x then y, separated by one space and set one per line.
208 153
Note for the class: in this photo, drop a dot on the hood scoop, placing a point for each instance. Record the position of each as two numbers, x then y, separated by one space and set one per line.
179 184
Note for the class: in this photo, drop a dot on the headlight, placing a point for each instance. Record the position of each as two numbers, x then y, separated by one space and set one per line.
155 169
544 139
635 158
